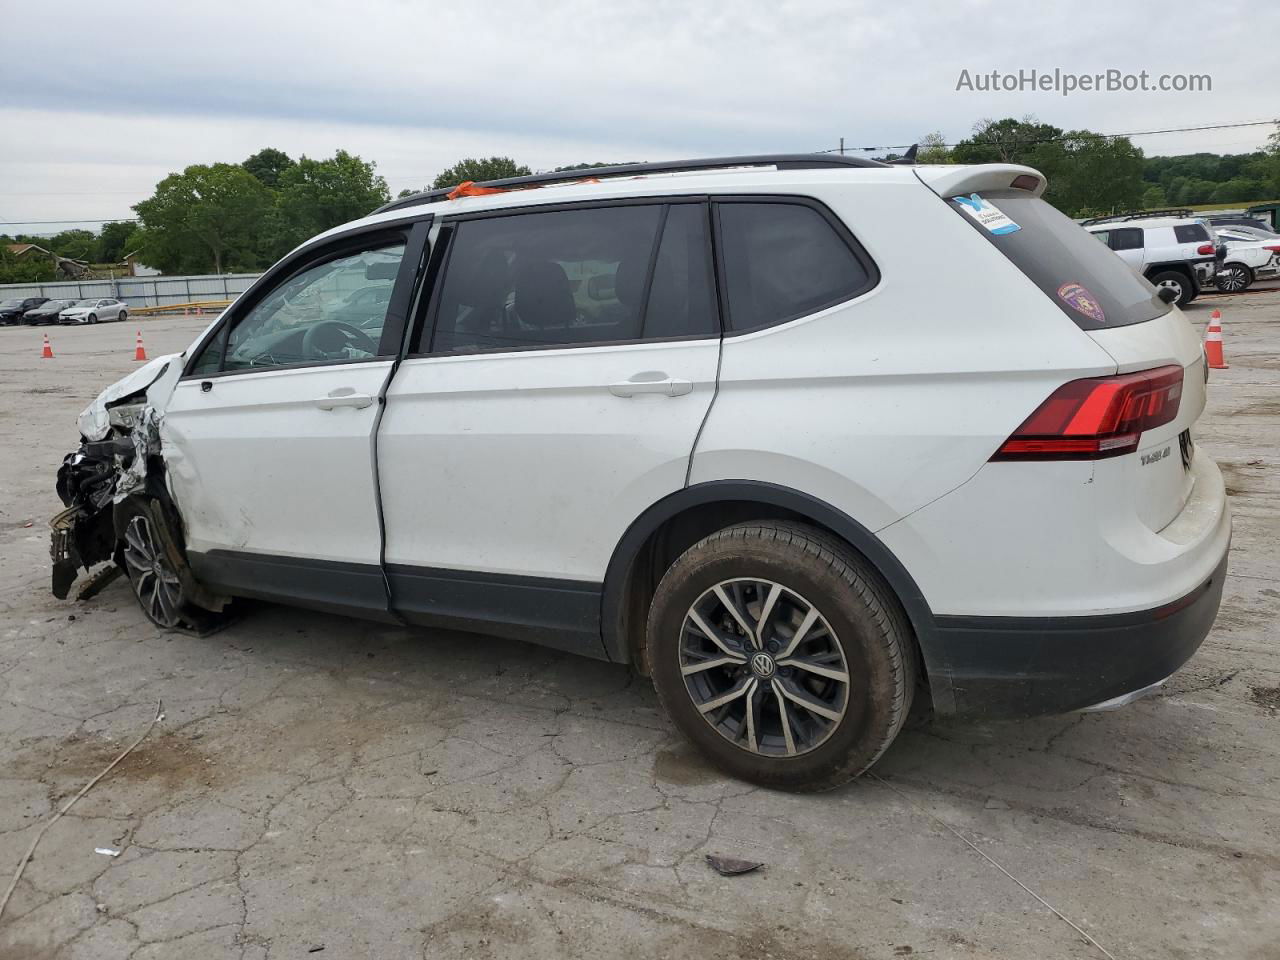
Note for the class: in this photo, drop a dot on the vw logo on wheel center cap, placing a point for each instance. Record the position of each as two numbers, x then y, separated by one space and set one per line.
762 665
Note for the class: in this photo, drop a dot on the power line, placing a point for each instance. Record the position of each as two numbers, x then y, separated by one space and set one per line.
1109 136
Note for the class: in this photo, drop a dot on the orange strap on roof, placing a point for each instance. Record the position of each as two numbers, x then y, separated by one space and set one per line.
469 188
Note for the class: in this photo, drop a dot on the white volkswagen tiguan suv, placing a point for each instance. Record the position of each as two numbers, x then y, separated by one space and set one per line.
709 419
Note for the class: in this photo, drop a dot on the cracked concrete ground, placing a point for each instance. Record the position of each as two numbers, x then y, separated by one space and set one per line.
379 792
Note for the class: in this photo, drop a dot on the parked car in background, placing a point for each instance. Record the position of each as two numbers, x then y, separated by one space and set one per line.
91 311
11 310
1174 252
1251 255
47 312
769 467
1237 220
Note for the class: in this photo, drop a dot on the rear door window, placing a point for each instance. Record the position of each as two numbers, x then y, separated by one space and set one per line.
577 277
784 260
1088 282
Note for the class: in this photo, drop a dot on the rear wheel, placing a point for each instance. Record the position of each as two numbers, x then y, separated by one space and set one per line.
1234 278
122 315
779 654
1179 282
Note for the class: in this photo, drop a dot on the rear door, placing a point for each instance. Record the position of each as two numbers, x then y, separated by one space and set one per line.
1127 242
268 437
554 393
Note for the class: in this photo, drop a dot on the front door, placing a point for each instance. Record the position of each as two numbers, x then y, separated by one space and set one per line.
268 438
572 363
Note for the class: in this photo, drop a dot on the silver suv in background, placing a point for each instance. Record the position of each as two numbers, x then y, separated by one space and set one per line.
1169 247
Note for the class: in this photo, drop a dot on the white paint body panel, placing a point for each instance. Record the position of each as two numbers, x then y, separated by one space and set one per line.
255 466
526 463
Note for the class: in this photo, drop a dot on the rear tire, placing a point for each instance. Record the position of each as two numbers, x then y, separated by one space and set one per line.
797 714
1234 278
1179 281
122 316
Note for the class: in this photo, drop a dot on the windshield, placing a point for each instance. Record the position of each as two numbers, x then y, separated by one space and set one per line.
4 304
56 304
85 303
1090 284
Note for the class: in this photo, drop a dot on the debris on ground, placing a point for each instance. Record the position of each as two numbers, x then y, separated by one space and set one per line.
107 851
731 866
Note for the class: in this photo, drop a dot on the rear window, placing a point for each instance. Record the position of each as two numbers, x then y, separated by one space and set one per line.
1191 233
1089 283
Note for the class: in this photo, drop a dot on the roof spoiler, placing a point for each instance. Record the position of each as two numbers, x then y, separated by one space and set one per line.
954 181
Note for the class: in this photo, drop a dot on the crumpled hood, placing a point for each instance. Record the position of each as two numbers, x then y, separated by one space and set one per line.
157 378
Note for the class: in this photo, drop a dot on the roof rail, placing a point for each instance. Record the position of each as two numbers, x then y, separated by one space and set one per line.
1182 212
783 161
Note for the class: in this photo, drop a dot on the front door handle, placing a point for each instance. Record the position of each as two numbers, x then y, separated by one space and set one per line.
653 383
343 397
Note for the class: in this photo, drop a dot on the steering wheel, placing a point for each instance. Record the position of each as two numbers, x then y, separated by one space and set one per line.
329 337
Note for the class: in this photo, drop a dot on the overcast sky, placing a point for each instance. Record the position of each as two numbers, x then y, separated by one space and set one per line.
101 101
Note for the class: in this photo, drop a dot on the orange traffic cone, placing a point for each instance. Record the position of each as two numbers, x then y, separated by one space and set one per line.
138 352
1213 342
47 352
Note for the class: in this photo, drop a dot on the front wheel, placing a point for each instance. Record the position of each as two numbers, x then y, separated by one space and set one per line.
781 656
153 561
93 318
1234 278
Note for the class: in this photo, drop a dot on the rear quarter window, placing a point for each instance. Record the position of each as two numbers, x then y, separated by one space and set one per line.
1191 233
1088 282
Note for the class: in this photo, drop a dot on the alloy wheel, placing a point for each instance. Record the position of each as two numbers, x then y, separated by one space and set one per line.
764 667
1172 285
153 577
1233 279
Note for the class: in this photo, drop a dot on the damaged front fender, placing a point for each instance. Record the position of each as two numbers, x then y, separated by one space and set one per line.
120 433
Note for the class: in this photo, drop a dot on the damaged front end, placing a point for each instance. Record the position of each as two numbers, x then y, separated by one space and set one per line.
119 456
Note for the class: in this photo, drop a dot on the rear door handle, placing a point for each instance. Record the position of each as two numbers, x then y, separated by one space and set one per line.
343 397
654 383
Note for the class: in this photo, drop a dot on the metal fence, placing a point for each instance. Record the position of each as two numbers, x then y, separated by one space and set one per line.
139 291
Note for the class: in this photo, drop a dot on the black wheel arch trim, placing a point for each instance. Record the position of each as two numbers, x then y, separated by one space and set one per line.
871 547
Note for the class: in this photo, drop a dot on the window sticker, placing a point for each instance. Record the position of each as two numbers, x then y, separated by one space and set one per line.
1079 299
988 215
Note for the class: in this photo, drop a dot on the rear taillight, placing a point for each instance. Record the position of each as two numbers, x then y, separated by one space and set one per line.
1273 247
1205 250
1096 418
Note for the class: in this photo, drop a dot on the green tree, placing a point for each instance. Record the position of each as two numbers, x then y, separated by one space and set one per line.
1004 141
1153 197
112 240
490 168
933 149
1088 172
267 165
73 244
318 194
33 268
1240 190
205 217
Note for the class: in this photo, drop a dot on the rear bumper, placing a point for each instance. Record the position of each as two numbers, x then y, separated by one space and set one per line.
1009 667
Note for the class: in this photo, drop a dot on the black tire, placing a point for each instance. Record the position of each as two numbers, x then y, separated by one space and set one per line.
152 558
93 318
1186 288
122 316
1234 278
859 628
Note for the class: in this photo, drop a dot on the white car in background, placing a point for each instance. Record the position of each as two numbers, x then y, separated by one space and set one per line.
93 310
1172 252
1252 254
